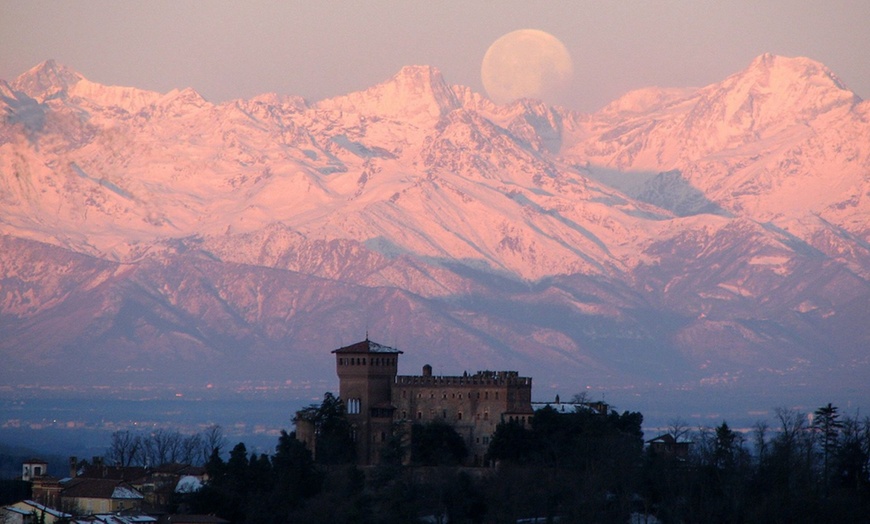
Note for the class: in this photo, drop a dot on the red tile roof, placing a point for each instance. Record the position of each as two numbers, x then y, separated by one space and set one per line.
99 489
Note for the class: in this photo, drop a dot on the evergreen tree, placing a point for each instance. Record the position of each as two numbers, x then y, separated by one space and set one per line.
828 425
437 444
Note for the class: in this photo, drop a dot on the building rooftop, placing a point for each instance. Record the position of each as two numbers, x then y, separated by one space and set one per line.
28 506
367 346
100 489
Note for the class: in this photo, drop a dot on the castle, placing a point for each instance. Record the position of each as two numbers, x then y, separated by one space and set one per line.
378 400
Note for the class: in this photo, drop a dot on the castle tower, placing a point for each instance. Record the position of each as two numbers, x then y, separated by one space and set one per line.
366 374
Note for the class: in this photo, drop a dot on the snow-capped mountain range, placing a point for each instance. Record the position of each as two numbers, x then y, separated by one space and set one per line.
717 236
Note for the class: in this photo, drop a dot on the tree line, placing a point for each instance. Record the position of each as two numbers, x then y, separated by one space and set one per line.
806 468
163 446
567 467
541 470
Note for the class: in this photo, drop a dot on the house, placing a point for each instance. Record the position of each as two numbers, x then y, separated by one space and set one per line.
160 484
104 495
157 485
46 490
598 406
33 468
378 400
668 446
30 512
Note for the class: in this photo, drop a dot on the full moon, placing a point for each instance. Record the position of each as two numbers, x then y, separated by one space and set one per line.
525 63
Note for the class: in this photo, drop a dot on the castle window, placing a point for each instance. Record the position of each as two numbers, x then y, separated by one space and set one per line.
383 437
496 395
419 415
444 414
486 395
364 361
353 406
459 416
460 396
444 396
486 415
404 415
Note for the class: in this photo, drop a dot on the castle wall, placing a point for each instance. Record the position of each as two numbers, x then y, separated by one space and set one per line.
377 400
473 404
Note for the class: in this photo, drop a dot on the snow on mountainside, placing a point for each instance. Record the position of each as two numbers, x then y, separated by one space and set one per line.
782 142
678 235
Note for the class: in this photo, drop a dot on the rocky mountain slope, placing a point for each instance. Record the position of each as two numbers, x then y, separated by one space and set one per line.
690 237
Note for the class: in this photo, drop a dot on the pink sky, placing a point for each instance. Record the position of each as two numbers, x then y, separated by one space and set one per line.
229 50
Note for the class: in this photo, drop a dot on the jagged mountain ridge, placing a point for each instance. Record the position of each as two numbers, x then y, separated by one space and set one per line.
470 232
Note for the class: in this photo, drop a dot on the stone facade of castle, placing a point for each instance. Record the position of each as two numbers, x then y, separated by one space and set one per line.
379 401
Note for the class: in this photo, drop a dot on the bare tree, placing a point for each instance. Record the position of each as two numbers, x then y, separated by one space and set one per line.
163 447
191 449
124 449
678 428
793 428
759 438
213 440
580 398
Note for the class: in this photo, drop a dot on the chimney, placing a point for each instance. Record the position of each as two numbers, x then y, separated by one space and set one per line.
97 464
73 467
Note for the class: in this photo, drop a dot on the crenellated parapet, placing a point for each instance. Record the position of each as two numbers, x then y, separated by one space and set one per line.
481 378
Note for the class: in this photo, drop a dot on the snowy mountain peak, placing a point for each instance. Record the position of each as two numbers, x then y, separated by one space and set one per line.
414 92
797 84
46 80
724 228
794 69
646 99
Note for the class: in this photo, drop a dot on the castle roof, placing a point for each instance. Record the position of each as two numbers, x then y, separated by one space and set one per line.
367 346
